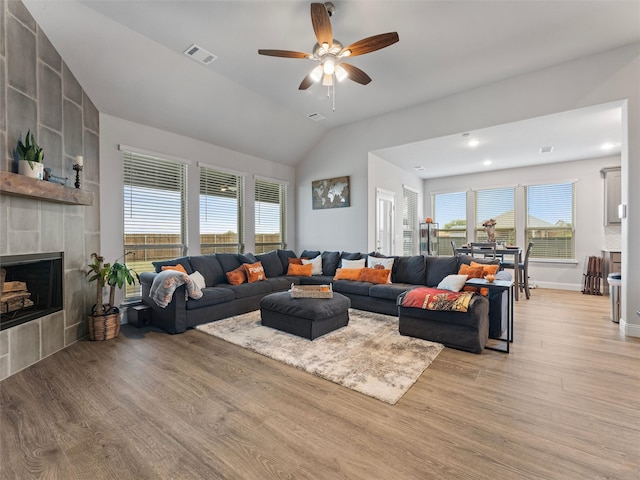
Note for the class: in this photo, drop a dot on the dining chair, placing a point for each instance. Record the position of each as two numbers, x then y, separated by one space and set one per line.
486 249
453 247
522 282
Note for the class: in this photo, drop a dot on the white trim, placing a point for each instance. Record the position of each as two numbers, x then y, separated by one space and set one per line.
555 182
221 169
559 261
629 329
269 179
411 189
479 189
151 153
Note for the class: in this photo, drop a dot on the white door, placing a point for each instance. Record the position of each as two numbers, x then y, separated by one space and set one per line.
385 218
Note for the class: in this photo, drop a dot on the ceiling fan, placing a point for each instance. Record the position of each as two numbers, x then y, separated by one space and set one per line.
330 53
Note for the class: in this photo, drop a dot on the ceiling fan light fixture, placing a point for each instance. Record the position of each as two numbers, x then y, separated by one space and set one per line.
329 66
327 80
316 73
341 73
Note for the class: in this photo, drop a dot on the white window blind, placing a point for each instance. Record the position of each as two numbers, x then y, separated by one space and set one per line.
450 211
154 211
499 204
221 212
549 223
270 216
409 222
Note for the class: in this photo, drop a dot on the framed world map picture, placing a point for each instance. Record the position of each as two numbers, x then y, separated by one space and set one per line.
330 193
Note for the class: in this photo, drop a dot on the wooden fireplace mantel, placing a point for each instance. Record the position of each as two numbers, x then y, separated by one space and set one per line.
22 186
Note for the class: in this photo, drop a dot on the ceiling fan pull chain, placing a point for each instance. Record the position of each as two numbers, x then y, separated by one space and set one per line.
333 87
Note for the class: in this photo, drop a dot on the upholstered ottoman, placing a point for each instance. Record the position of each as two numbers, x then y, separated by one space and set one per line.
306 317
464 331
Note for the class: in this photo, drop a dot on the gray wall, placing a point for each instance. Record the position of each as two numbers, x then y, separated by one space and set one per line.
39 93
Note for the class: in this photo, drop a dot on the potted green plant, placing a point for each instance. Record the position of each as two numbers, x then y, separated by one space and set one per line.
104 321
30 156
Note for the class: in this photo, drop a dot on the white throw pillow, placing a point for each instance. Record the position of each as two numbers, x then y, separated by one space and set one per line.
353 263
386 263
316 265
452 282
198 279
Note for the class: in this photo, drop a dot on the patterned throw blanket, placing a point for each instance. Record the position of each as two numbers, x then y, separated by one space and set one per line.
166 283
435 299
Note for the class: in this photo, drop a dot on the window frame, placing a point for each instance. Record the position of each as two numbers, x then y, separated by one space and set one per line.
261 185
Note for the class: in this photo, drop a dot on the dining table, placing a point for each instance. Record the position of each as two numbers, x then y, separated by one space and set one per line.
514 252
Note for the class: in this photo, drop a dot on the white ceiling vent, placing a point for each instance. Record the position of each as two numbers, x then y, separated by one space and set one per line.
316 117
200 54
547 149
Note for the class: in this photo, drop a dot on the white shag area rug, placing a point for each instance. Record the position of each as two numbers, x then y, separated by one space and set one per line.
369 355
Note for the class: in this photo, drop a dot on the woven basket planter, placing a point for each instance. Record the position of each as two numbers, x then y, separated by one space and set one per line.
104 327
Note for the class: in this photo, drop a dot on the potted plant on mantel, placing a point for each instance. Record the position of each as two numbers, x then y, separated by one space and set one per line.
30 157
104 321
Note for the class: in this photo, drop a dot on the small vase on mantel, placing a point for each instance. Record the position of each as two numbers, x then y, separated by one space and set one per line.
33 170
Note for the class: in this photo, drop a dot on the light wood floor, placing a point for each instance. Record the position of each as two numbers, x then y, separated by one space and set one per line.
564 404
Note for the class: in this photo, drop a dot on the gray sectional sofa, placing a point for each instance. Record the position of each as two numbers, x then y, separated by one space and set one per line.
221 299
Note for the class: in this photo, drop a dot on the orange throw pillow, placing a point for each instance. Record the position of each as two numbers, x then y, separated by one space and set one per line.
255 272
374 275
295 261
300 270
237 276
347 274
177 267
471 272
487 269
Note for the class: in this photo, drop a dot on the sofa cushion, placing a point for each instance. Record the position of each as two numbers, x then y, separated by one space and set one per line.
184 261
348 274
247 258
278 284
330 262
438 268
390 291
350 256
209 267
316 280
409 270
211 296
284 256
375 275
229 261
348 286
316 264
271 263
309 254
249 289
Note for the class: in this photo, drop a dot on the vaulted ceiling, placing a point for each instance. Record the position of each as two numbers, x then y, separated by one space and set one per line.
128 56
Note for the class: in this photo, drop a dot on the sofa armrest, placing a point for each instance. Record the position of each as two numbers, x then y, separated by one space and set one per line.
172 318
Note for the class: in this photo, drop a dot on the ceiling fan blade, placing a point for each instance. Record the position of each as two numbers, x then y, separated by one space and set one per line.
321 24
306 83
356 74
371 44
285 54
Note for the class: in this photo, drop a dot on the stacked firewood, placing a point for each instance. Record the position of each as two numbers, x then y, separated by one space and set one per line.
13 296
593 276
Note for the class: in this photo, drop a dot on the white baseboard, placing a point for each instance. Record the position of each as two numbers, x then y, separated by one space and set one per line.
559 286
629 329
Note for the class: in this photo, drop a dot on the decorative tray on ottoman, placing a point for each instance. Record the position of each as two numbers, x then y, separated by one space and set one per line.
311 291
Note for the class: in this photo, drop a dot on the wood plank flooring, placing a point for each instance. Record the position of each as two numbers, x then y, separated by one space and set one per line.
564 404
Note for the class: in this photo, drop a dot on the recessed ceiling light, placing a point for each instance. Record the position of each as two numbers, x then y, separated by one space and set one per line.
607 146
473 143
487 162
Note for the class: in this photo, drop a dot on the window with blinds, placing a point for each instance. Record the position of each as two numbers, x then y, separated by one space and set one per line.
450 211
155 220
410 222
270 216
499 204
549 222
221 212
